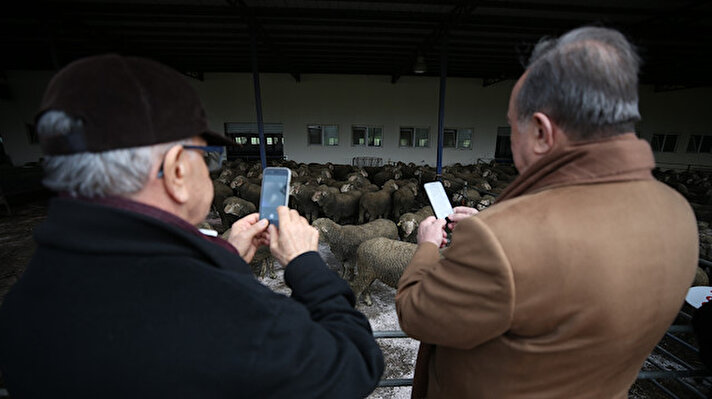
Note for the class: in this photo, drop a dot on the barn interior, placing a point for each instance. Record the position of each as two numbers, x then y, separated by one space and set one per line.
375 84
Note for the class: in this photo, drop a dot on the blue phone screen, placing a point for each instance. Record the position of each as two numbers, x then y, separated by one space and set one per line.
274 194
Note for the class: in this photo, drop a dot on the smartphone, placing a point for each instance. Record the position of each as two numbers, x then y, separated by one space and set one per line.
275 192
438 199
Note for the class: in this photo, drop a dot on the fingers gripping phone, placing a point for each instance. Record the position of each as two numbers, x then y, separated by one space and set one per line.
439 202
275 192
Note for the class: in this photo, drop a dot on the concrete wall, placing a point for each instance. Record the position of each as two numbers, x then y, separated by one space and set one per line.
347 100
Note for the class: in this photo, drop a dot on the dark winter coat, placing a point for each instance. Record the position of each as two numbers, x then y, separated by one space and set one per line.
118 304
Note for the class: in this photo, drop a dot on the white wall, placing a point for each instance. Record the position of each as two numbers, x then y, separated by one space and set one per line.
682 112
346 100
371 100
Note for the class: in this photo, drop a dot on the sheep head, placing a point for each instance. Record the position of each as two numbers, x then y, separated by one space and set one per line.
238 182
326 228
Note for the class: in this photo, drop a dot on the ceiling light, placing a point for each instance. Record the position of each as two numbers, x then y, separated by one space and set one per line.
419 66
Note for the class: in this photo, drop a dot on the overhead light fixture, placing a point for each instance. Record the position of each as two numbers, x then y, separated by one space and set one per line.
420 66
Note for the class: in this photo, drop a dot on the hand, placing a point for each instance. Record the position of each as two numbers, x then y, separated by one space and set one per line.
294 237
432 230
461 213
248 234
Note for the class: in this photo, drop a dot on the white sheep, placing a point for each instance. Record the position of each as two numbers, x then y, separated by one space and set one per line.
345 240
383 259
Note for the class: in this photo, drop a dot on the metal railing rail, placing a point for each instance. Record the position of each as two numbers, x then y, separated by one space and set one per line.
661 373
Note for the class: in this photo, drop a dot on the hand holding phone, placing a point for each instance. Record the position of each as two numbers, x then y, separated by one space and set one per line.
275 192
440 204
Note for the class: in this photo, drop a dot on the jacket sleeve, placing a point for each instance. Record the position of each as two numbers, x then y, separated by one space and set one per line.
320 346
462 300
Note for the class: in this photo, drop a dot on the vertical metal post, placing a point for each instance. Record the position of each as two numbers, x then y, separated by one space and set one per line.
441 112
258 94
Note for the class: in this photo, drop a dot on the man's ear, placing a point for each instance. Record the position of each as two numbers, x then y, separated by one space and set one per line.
175 170
545 135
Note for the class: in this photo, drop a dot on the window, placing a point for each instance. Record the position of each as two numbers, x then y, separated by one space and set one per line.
464 138
406 137
664 142
699 144
241 140
331 135
414 136
457 138
422 137
314 133
449 136
367 135
255 140
323 135
503 148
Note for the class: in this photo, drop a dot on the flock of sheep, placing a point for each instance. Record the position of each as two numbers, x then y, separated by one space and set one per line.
368 216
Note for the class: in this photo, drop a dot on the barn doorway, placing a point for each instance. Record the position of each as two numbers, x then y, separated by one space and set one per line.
247 140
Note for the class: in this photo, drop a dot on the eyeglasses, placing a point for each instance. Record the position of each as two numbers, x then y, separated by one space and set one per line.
212 155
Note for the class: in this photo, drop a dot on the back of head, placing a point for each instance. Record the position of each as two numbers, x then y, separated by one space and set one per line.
105 120
586 81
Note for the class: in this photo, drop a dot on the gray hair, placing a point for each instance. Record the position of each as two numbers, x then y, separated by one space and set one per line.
586 81
101 174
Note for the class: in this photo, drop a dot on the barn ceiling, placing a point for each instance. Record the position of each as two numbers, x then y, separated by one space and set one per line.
482 39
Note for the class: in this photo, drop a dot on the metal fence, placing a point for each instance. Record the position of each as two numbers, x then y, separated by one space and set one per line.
689 378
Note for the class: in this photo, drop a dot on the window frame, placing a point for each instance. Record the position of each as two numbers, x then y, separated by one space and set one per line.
323 139
369 138
705 140
413 141
504 131
458 131
663 144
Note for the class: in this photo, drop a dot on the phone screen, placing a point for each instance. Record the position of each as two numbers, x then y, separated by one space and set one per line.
275 192
438 199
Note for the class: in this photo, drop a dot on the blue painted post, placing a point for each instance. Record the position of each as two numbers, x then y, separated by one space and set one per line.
258 95
441 113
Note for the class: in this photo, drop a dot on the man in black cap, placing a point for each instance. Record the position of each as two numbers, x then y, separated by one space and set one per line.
124 297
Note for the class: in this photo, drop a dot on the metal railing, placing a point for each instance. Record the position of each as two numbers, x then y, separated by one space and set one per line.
686 372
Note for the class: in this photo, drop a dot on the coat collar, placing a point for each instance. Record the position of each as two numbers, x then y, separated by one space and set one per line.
619 158
113 227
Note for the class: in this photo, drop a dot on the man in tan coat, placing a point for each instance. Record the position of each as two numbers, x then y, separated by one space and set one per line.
564 287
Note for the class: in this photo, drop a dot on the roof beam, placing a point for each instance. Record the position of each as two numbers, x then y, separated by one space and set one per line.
264 37
436 36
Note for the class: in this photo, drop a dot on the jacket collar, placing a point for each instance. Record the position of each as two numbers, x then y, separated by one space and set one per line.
110 227
620 158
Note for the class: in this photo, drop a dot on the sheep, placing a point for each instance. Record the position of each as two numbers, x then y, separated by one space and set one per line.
408 223
467 197
485 202
701 278
262 262
236 208
302 195
246 190
380 258
221 192
377 204
404 199
335 205
226 175
386 174
344 240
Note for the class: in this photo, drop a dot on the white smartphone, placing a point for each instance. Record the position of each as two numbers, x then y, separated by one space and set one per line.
275 192
438 199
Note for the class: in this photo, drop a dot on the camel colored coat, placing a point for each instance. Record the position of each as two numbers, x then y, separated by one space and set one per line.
561 289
